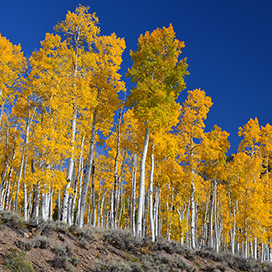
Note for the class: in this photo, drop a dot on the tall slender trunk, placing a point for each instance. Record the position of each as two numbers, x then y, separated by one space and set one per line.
8 161
118 129
159 212
25 202
119 183
88 173
101 210
51 204
45 206
142 185
216 223
150 193
18 183
133 194
69 171
204 238
12 191
22 169
8 189
192 198
245 226
98 204
210 232
155 212
79 194
111 210
193 242
144 215
93 196
80 164
167 218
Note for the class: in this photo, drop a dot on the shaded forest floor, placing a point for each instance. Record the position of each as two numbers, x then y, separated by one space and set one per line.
51 246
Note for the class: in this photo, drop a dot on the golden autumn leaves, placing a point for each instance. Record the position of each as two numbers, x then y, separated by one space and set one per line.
65 103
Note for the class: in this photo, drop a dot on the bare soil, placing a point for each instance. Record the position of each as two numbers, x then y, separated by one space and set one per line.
97 251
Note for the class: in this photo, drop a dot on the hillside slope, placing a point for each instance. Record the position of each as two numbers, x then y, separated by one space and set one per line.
50 246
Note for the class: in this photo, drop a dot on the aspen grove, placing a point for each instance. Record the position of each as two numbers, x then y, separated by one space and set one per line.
72 150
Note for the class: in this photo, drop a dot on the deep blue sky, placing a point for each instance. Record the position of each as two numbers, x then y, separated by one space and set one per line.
228 45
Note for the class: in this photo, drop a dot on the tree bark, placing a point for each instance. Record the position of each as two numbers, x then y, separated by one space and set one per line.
93 196
18 183
210 231
133 194
142 186
193 243
118 129
88 173
150 193
69 171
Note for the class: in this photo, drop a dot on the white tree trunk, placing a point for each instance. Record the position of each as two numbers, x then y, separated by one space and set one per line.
118 129
88 173
45 206
150 192
111 210
78 180
8 189
155 212
93 196
69 171
25 202
193 242
50 217
142 185
210 232
133 194
101 210
255 248
18 183
59 206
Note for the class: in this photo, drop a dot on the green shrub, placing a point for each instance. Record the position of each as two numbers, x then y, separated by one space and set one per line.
17 262
211 255
75 261
24 245
113 266
69 250
61 257
136 267
37 242
163 244
179 263
64 254
62 227
87 233
11 219
221 267
47 227
267 267
162 268
122 239
41 242
248 264
83 243
165 260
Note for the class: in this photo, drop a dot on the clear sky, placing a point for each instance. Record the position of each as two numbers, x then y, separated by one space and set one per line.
228 45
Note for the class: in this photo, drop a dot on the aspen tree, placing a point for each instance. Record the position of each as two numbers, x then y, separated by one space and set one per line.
159 75
215 147
191 129
12 64
80 30
88 59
